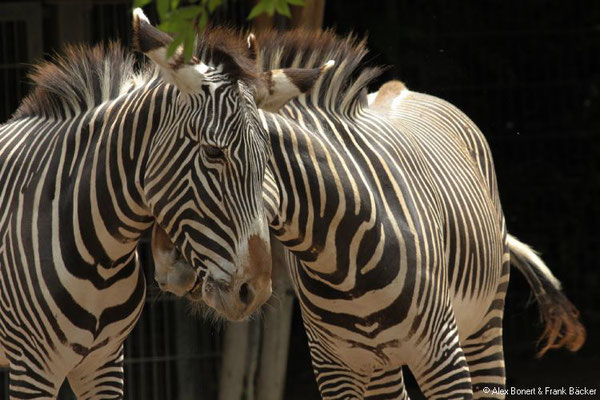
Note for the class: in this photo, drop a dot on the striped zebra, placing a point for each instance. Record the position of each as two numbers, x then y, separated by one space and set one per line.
398 248
96 156
401 255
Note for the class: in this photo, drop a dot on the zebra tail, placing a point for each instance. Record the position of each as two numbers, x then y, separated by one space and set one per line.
561 319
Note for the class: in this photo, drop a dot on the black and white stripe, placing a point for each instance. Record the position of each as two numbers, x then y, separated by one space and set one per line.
398 246
92 158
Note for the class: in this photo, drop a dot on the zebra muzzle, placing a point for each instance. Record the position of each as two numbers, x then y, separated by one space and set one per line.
233 299
241 293
234 289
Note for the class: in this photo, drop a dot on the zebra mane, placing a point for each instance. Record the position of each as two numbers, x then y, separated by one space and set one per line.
80 79
341 87
83 77
227 47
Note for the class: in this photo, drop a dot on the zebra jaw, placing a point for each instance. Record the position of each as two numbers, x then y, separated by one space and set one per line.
195 293
235 295
171 272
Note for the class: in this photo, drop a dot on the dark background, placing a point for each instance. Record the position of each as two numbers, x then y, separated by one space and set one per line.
527 72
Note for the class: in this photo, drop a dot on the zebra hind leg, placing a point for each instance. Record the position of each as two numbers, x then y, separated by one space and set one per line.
387 385
24 383
99 376
484 351
485 357
440 367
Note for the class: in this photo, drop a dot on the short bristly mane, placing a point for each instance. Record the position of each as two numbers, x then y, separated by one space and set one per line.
340 87
227 47
83 77
77 80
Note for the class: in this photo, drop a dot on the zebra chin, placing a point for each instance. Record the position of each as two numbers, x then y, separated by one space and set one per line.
235 294
239 295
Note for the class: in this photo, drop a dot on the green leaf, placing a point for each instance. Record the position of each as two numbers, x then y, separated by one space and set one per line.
186 13
141 3
282 8
172 25
203 21
263 6
257 10
174 4
270 6
173 46
213 4
296 2
188 45
162 6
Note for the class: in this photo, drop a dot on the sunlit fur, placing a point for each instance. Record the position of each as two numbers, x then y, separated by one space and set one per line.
90 160
398 246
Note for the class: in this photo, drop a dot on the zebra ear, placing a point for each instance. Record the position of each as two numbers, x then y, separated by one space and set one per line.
153 43
281 85
253 49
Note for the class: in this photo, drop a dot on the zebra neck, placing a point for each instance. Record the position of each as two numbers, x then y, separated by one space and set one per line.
121 136
100 205
318 202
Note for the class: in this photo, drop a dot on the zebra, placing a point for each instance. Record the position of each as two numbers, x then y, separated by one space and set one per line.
398 246
97 155
401 252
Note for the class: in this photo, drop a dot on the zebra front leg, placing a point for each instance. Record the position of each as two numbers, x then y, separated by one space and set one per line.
340 383
387 385
439 363
335 380
99 376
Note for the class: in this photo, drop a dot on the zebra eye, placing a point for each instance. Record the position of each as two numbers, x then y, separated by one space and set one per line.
214 152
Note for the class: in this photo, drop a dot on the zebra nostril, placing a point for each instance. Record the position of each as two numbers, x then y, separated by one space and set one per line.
245 293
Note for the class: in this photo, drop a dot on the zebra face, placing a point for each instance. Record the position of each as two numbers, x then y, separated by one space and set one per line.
203 184
205 170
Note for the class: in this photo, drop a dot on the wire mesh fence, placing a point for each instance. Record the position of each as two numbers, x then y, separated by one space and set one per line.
172 352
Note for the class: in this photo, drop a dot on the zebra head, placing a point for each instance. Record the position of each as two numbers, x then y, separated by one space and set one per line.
206 165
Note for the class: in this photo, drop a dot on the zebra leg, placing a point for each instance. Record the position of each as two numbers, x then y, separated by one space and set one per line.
335 380
340 383
387 385
26 383
484 352
485 357
440 367
99 376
